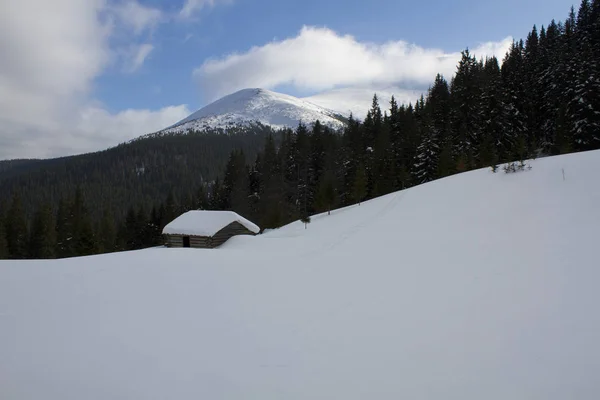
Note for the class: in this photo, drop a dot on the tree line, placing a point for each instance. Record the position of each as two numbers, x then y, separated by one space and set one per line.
543 99
136 173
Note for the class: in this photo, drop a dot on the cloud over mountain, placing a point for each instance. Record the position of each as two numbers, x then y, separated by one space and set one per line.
320 59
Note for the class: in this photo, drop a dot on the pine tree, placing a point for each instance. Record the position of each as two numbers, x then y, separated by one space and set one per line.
271 190
351 154
446 165
305 219
201 201
171 208
144 233
359 189
42 242
235 184
254 187
288 176
325 199
487 155
154 227
496 129
551 80
466 108
132 239
405 140
426 165
383 173
531 71
215 200
3 243
371 129
84 238
107 233
16 229
584 107
304 199
513 113
64 230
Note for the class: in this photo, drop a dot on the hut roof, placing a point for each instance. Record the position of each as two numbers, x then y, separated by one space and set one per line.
205 223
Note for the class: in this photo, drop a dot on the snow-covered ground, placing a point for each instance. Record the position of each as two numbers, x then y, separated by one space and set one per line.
478 286
250 106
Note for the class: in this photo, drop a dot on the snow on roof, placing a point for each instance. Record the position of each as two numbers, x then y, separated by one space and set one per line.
206 223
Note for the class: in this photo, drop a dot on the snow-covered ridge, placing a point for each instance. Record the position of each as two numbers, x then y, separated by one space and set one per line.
252 106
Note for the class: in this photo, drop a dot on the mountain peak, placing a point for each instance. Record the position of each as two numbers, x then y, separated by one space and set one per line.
257 105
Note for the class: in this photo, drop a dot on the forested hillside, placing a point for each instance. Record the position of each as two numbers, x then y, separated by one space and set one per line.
543 99
131 173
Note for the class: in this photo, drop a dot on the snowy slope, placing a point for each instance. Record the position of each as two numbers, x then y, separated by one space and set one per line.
477 286
257 105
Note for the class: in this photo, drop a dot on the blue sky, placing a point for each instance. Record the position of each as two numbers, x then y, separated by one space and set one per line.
165 77
108 70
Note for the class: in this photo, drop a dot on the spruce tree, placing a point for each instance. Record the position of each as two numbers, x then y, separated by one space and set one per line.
426 165
446 165
201 200
42 242
132 239
351 154
215 200
144 233
107 233
3 243
513 113
325 199
271 190
467 113
16 229
64 230
155 228
584 107
497 132
384 166
359 188
84 238
304 199
172 209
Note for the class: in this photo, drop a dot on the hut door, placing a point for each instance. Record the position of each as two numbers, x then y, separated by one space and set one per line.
186 241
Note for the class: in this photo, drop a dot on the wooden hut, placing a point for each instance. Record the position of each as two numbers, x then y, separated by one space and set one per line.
206 229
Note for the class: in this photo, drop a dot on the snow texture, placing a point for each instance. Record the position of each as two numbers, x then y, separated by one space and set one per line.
476 286
251 106
206 223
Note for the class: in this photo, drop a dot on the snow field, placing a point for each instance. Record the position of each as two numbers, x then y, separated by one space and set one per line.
476 286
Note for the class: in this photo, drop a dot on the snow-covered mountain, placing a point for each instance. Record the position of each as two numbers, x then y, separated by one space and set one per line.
251 106
476 286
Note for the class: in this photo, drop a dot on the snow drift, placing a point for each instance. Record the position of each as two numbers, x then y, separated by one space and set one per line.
477 286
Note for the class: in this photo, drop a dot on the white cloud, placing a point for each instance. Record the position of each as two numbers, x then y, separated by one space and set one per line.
98 129
137 16
136 56
50 54
191 7
357 100
320 59
92 128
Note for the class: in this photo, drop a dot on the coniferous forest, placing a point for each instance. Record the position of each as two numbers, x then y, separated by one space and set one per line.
542 99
